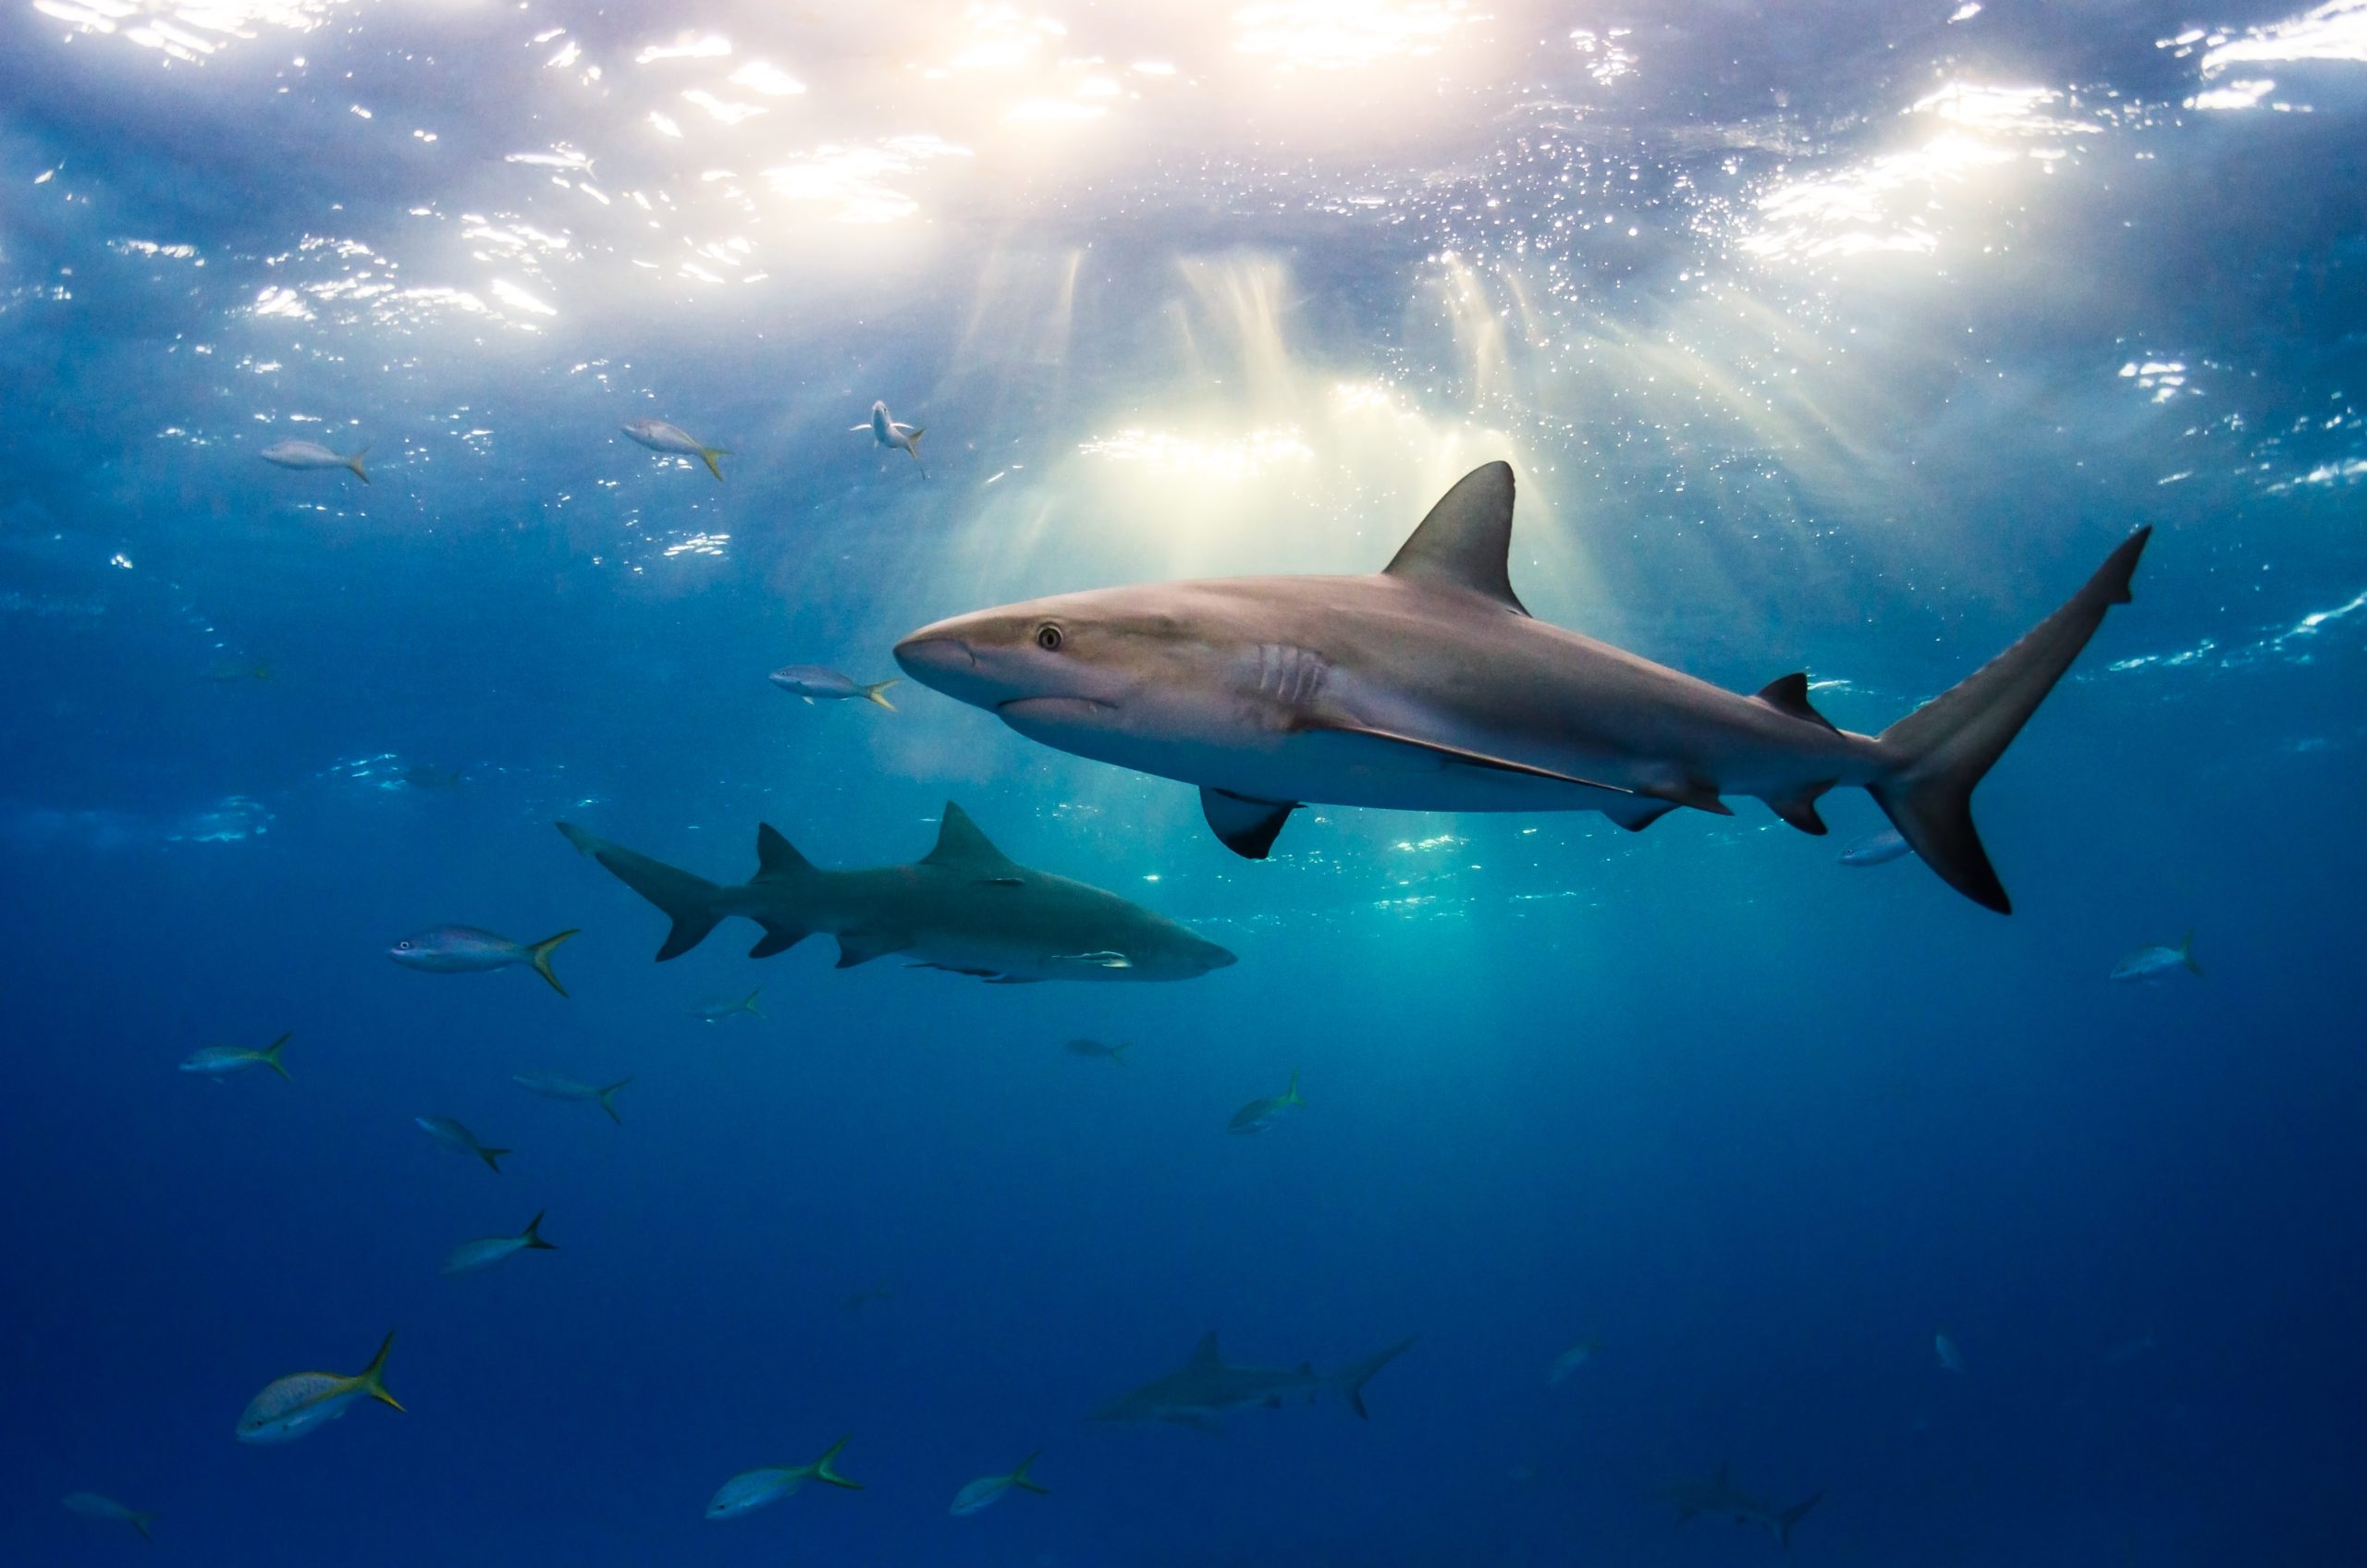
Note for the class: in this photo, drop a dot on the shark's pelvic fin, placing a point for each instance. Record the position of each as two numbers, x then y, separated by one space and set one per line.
1788 694
959 843
1637 812
778 939
777 858
1248 828
689 900
1466 538
1943 749
861 947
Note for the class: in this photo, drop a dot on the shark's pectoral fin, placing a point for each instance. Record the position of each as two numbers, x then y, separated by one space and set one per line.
1364 747
861 947
1014 979
777 939
1788 694
1799 808
1247 827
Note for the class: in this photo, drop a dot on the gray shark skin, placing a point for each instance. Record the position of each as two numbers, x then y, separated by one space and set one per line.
965 907
1716 1494
1205 1388
1427 687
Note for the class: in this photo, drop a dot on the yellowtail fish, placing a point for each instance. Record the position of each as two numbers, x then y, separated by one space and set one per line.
1260 1114
988 1489
464 949
716 1009
1116 1053
219 1063
812 680
1570 1360
484 1253
752 1490
552 1087
889 433
458 1139
95 1505
312 454
673 440
2153 963
293 1406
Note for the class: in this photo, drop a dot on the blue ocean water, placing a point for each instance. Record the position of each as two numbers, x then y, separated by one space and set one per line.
1846 336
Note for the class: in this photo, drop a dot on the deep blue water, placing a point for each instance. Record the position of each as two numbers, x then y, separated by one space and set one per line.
1842 336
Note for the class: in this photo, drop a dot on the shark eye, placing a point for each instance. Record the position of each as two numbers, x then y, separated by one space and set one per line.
1049 638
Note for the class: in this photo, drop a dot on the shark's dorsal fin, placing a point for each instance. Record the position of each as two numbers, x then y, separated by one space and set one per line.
777 858
959 843
1465 540
1204 1355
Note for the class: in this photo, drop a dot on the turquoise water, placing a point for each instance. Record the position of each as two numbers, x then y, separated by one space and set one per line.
1844 338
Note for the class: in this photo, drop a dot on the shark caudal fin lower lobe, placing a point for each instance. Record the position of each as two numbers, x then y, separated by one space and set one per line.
1791 1516
1943 748
689 902
1351 1382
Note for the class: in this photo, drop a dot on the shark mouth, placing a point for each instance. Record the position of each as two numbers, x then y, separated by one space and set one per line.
1052 710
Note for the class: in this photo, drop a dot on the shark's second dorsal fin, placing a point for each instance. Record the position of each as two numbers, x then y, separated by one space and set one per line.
777 858
1465 540
959 843
1204 1355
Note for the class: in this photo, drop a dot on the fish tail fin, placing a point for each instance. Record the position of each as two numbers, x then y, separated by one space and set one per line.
493 1157
707 456
271 1054
1351 1382
1118 1052
689 900
1941 751
872 692
607 1098
354 463
748 1003
1019 1477
1791 1516
141 1522
1291 1095
542 951
824 1471
533 1236
2185 952
374 1377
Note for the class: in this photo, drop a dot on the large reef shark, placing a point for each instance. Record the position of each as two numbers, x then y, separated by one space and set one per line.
965 906
1715 1494
1206 1387
1427 687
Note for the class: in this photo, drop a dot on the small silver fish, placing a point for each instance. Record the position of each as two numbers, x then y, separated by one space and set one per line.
1951 1358
487 1251
673 440
812 680
219 1063
1116 1053
1570 1360
886 433
752 1490
2154 963
96 1505
464 949
715 1009
1876 849
988 1489
293 1406
458 1139
1260 1114
312 454
552 1087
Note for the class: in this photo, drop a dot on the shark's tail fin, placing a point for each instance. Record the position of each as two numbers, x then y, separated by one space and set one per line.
1021 1480
823 1471
271 1052
2186 956
607 1098
872 691
688 900
1940 751
1791 1516
1351 1382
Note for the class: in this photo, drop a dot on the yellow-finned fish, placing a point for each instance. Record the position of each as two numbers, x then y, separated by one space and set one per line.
219 1063
289 1407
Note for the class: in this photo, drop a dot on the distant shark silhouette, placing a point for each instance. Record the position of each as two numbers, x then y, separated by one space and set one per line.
965 907
1206 1389
1716 1494
1427 687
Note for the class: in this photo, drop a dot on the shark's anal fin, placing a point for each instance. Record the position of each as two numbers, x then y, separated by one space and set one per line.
1388 748
1465 540
1247 827
861 947
1788 694
1799 808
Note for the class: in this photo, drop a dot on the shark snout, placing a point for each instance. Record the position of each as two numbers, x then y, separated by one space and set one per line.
939 659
